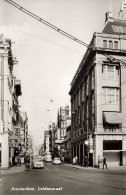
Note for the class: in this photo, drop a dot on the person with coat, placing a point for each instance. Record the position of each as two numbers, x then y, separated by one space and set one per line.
86 161
104 163
27 163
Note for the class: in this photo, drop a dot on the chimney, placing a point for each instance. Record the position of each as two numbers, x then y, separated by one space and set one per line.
109 17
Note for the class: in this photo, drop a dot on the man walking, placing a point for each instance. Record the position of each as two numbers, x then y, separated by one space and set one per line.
104 162
86 161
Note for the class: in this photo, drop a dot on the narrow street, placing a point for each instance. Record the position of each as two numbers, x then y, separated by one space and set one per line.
67 179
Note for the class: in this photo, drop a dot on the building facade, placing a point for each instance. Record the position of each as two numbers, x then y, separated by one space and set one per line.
63 121
10 90
98 98
46 141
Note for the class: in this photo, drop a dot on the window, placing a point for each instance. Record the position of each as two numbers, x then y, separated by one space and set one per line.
87 113
119 29
79 116
92 80
110 72
116 45
87 85
93 110
83 112
104 43
78 96
92 103
62 132
112 144
110 44
83 88
110 95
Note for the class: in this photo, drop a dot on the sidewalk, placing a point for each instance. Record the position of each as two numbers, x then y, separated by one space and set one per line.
77 166
14 169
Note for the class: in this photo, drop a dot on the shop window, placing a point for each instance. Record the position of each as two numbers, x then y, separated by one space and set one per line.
112 145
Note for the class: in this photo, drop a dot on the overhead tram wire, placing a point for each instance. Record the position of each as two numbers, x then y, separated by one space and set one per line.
46 23
59 30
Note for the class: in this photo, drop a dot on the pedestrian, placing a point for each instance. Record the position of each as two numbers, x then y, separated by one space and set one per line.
99 161
104 163
18 162
76 160
27 163
86 161
10 161
83 161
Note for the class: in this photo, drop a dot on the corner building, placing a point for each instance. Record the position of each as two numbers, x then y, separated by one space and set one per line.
98 97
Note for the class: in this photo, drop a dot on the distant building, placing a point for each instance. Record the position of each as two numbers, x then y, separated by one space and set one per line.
52 133
63 121
67 142
46 141
98 97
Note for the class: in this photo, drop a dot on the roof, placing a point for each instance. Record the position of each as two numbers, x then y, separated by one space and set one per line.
117 27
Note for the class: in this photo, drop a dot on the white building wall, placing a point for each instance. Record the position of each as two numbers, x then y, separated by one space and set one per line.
98 148
6 106
4 150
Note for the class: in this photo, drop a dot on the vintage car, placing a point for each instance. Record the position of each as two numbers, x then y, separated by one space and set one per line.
38 163
56 161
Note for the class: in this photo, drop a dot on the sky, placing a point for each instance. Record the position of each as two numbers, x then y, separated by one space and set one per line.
47 60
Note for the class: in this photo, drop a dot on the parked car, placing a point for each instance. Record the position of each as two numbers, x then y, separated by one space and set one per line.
48 158
56 161
38 163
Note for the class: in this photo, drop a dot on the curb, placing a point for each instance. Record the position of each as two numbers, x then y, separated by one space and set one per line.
80 167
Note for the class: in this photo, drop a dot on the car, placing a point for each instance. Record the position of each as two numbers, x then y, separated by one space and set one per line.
56 161
48 158
38 163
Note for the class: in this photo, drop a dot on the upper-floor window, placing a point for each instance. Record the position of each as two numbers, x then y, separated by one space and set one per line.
87 85
110 44
110 72
83 91
92 79
104 43
110 95
79 92
116 46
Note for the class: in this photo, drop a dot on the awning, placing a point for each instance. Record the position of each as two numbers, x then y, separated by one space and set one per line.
112 117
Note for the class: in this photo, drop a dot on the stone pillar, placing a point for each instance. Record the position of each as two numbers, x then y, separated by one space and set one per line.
98 148
5 152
